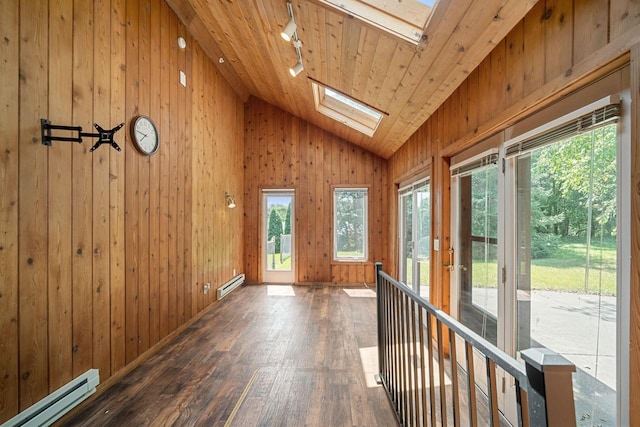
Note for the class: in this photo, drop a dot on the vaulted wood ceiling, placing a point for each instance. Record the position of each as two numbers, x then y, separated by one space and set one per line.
406 81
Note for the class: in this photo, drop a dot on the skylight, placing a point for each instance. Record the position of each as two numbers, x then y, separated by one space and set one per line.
405 19
345 110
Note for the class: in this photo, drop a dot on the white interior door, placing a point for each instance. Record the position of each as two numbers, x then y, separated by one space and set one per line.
278 236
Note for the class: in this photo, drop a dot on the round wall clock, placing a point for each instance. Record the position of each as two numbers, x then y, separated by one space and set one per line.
145 135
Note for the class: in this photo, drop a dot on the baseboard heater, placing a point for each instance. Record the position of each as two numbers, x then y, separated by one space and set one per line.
230 285
54 406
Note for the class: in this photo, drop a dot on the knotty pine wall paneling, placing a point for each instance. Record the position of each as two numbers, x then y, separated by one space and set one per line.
282 151
32 343
60 206
144 95
132 191
218 119
101 181
155 100
9 209
560 46
103 255
117 272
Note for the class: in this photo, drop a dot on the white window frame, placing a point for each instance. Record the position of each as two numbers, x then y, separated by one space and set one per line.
365 224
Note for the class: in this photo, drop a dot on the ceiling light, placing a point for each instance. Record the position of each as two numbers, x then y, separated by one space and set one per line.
296 69
289 29
182 43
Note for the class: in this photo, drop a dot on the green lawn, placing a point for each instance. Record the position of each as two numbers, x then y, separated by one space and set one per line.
284 265
565 271
347 254
424 272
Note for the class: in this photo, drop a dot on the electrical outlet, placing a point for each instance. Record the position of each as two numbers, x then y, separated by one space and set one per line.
207 288
234 272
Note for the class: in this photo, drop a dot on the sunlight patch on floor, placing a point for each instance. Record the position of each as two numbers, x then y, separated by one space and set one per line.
369 361
280 291
359 293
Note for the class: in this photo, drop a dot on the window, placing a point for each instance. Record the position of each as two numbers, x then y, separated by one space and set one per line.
350 224
405 20
346 110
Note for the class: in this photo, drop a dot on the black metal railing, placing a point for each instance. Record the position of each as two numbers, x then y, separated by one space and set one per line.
419 368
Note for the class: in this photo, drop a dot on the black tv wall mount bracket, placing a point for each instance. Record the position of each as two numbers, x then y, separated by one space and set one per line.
104 136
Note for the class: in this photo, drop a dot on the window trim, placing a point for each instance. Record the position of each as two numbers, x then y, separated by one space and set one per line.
393 20
345 113
365 257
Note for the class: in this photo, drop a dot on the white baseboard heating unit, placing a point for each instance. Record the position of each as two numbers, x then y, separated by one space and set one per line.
230 285
54 406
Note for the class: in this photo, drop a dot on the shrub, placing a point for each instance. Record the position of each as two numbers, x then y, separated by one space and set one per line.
544 245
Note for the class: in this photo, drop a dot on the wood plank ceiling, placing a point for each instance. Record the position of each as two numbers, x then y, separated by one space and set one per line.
406 81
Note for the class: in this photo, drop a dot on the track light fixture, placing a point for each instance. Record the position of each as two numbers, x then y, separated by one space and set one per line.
296 69
289 30
290 33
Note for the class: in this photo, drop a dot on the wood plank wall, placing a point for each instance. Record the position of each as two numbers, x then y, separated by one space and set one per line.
217 245
103 254
283 151
559 46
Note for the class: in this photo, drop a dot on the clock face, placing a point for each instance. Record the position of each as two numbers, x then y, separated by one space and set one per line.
145 135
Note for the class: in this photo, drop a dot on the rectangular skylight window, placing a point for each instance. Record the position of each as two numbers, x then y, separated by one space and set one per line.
345 110
405 19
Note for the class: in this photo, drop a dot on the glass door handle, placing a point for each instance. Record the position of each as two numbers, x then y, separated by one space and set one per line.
452 267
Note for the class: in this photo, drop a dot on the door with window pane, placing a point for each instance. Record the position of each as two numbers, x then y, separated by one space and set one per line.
415 237
477 247
566 261
278 243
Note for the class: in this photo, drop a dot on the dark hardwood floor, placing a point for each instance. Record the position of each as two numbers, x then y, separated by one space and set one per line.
259 359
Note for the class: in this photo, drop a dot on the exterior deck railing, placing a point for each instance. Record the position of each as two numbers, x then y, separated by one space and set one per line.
414 360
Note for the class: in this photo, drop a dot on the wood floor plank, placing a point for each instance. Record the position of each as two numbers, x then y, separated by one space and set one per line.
256 359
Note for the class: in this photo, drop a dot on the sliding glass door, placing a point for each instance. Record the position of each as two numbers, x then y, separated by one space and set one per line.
477 246
414 204
566 260
537 239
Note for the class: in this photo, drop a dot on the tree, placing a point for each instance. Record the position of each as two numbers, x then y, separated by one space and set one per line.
287 221
568 166
350 221
275 229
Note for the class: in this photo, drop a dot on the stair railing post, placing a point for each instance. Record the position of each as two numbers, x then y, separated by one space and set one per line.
550 391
